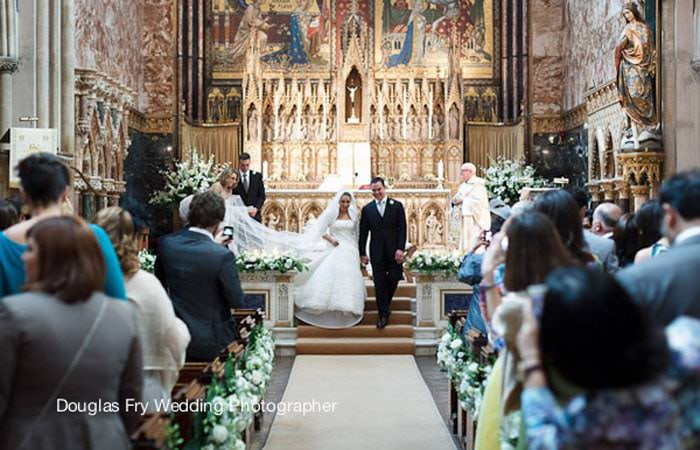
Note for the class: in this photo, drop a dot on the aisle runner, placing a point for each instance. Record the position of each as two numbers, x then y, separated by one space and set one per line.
382 403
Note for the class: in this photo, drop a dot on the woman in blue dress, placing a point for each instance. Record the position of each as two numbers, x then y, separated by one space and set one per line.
45 181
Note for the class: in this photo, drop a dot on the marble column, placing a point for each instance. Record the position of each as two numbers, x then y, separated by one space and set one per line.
68 76
640 194
696 36
42 36
55 66
9 60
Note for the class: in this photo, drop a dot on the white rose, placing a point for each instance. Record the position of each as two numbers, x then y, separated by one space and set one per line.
446 338
457 343
219 434
238 445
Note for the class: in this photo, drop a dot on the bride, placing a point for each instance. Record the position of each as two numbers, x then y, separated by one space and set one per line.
332 293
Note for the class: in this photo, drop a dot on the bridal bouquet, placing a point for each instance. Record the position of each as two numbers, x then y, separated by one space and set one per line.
429 262
189 177
506 178
270 262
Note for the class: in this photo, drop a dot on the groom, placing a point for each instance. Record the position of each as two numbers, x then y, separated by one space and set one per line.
386 220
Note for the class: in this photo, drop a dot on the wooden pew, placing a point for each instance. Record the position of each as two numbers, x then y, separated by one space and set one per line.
191 386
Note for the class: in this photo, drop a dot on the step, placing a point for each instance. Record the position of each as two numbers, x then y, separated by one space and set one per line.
396 318
397 304
358 331
355 346
403 290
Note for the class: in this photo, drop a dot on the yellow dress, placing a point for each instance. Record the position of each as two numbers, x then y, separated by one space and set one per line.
488 429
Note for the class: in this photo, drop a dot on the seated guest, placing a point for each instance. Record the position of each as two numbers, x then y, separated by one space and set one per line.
667 286
626 238
562 210
599 375
201 277
649 218
45 182
164 337
226 183
64 342
603 249
8 215
605 218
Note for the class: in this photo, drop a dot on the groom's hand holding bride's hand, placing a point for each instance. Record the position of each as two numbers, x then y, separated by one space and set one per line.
398 256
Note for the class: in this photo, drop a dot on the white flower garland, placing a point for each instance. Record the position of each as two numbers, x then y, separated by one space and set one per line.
236 397
269 262
426 261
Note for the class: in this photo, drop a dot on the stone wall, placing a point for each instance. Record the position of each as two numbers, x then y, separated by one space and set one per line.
159 47
107 39
546 63
591 31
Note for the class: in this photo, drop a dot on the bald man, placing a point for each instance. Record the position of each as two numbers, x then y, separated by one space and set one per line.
474 199
605 217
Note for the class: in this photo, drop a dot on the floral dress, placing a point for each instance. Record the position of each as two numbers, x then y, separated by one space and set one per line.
661 415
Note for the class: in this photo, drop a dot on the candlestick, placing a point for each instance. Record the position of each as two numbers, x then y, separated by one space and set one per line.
440 169
264 171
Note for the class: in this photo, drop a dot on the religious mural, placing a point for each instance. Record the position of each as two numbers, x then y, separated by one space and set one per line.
417 33
283 34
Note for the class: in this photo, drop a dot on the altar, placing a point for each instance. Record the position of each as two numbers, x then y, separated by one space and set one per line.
428 218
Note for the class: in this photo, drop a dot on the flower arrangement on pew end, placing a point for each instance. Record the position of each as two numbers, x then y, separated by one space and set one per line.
463 369
431 262
147 261
250 262
235 397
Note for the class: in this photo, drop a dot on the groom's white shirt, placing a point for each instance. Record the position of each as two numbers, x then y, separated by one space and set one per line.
381 206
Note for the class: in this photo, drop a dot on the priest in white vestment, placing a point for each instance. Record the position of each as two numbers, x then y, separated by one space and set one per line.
474 200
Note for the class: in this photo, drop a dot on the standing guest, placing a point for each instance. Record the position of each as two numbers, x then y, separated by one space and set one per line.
64 342
603 249
201 277
8 215
626 238
476 215
667 286
605 218
599 375
45 182
226 183
251 187
562 210
653 243
164 337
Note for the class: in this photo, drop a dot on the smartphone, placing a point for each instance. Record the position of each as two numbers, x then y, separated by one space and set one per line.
488 236
504 244
228 232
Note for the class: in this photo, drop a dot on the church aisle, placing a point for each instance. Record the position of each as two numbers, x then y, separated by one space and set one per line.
382 403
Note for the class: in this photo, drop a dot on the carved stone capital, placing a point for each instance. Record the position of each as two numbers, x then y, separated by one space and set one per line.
642 168
623 189
8 65
608 190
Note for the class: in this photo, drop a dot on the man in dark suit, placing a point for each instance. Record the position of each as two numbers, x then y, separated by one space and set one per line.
201 277
667 285
251 187
386 220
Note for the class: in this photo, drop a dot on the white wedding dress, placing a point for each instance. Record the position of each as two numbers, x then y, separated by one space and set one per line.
332 293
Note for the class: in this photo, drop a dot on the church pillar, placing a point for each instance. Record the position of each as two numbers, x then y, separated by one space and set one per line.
55 67
68 77
43 91
9 60
640 194
623 195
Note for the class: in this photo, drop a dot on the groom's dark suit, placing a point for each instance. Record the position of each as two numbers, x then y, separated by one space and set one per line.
388 235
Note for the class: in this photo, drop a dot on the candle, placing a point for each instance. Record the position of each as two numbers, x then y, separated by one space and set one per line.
264 174
440 170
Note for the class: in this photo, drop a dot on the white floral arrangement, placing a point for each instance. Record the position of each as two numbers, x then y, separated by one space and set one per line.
463 369
147 261
426 261
188 177
256 261
505 179
234 399
510 430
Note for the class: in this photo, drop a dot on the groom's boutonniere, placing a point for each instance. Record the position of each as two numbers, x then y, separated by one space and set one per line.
391 202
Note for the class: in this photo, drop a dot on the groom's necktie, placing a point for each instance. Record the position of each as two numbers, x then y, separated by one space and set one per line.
381 205
245 181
